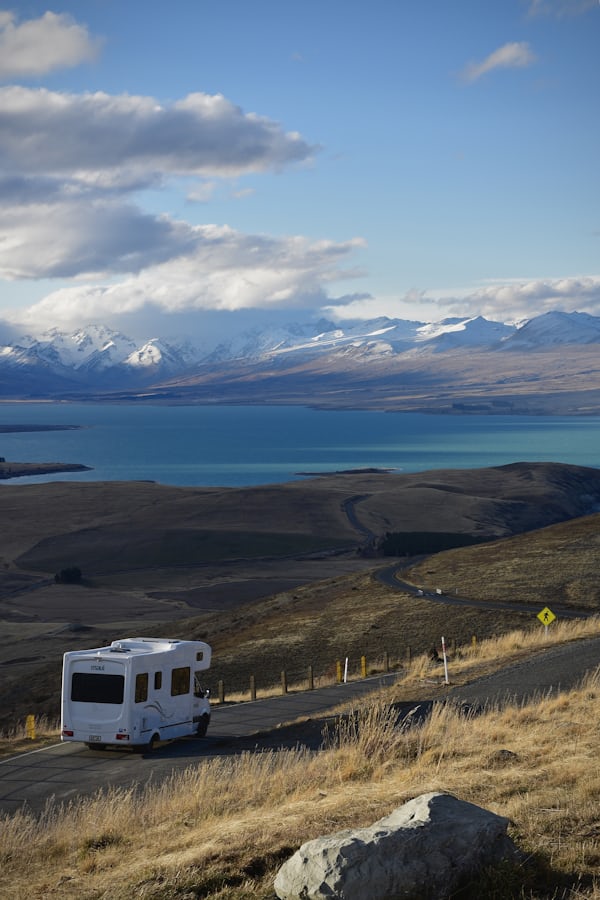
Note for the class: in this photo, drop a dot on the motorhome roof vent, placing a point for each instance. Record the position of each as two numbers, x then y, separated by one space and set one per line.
116 647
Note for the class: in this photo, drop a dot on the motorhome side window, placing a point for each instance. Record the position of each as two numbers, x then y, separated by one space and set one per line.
180 681
141 687
157 681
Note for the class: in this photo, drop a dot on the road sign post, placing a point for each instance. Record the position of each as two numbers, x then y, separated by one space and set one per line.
546 617
445 661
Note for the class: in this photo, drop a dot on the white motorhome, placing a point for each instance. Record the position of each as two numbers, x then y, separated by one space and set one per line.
135 692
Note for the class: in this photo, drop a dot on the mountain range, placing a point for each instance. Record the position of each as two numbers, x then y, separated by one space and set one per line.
549 363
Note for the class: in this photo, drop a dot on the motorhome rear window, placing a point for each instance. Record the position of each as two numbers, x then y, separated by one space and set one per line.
90 687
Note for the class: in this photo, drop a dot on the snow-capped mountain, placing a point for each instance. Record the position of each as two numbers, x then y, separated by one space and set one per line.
95 347
381 336
96 360
452 334
553 328
96 353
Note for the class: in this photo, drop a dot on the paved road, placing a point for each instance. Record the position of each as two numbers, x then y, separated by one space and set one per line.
392 577
65 771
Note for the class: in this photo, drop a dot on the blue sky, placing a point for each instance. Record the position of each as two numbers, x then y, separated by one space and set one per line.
169 167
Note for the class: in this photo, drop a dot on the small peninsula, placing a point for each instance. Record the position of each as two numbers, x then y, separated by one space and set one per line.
12 429
19 469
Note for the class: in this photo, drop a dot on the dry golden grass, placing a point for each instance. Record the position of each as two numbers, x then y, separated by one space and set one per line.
221 829
18 738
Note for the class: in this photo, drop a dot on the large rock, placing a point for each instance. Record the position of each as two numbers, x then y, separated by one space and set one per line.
424 849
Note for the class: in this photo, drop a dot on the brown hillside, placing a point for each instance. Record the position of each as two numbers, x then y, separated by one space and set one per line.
111 526
231 566
555 565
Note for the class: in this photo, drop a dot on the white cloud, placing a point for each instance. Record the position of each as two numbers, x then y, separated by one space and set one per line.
225 270
521 299
37 46
242 193
561 8
414 304
88 138
504 301
260 279
70 164
515 55
83 237
202 192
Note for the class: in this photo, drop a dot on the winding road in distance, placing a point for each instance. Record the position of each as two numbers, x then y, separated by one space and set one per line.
392 577
63 772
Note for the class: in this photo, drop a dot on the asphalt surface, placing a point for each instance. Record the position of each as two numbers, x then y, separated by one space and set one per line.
64 772
392 577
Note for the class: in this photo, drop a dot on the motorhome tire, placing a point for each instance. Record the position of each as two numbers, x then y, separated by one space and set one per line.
203 725
147 748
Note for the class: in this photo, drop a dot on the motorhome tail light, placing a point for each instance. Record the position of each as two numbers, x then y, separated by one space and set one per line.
122 737
67 732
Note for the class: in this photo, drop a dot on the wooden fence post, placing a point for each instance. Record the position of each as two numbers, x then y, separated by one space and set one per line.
283 682
252 687
363 666
311 679
338 671
386 662
221 691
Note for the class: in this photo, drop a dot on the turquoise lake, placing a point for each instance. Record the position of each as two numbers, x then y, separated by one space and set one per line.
249 445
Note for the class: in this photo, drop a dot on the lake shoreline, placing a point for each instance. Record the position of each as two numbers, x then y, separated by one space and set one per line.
16 429
230 446
20 470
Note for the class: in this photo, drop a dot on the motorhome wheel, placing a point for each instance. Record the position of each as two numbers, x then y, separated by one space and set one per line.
203 725
147 748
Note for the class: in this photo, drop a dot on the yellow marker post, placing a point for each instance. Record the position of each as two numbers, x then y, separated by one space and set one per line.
546 617
30 727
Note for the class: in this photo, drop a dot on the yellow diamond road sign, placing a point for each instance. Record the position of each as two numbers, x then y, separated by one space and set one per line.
546 616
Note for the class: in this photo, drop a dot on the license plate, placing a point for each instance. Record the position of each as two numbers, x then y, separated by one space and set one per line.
94 737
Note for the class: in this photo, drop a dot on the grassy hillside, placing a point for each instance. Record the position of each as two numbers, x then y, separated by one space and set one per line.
111 526
555 566
221 829
259 573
